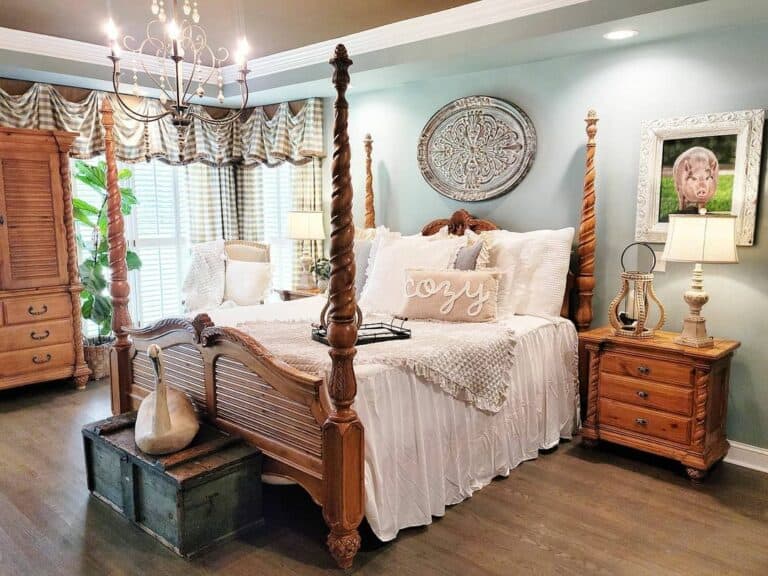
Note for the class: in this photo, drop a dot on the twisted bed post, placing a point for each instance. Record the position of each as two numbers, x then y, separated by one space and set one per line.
342 432
585 280
370 211
119 289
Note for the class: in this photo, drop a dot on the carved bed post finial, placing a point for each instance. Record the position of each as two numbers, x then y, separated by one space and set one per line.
119 288
370 210
585 280
342 432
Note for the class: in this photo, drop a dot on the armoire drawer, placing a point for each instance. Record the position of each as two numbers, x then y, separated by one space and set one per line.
644 421
37 308
36 359
23 336
648 394
654 369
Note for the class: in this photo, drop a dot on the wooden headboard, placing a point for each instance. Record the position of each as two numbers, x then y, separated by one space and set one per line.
577 303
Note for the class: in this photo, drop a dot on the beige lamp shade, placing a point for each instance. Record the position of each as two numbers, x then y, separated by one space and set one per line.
306 226
704 238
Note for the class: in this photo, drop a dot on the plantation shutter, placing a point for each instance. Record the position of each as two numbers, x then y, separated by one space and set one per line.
159 233
278 201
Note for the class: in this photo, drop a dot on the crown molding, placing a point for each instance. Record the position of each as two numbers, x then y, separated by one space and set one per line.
465 17
459 19
82 52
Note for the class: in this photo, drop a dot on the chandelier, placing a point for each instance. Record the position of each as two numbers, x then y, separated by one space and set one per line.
176 57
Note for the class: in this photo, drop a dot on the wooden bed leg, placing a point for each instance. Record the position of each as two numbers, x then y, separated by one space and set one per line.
343 442
119 288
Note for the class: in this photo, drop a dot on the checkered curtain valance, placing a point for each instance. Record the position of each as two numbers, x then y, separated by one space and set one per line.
258 140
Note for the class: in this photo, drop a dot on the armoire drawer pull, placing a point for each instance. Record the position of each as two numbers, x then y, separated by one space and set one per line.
35 336
641 421
643 369
38 360
32 312
642 394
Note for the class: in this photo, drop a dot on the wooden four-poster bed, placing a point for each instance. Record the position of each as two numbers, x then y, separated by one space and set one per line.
305 426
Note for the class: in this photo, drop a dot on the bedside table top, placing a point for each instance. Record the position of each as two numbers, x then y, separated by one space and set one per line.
662 341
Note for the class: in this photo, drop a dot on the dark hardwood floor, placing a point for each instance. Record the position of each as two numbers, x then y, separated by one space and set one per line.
573 511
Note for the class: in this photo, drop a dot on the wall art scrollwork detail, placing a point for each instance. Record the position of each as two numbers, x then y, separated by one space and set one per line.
476 148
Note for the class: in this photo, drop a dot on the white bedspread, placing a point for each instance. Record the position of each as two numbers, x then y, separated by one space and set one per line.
424 449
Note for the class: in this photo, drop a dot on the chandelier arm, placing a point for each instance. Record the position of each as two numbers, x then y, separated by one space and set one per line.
151 77
129 111
191 78
217 121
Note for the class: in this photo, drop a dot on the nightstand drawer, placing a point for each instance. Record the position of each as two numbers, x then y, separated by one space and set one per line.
647 368
644 421
647 394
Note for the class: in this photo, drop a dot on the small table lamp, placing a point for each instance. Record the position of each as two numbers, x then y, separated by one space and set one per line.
306 226
699 238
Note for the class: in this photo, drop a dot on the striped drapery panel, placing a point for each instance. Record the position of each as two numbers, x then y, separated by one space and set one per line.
258 140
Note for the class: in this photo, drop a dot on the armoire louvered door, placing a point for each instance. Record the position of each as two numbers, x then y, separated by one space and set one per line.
41 337
32 234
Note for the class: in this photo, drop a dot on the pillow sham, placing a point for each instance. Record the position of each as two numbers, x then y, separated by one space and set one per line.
384 288
362 253
451 295
247 283
536 266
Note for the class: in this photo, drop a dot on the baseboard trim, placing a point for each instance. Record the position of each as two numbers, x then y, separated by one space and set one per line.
748 456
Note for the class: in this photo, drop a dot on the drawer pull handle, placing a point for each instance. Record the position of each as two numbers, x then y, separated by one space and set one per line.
43 336
643 394
644 370
32 312
641 421
38 360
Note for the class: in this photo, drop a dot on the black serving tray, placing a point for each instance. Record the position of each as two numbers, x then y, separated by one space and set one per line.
369 333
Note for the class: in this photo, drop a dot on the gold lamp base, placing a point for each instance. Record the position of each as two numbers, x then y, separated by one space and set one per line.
694 332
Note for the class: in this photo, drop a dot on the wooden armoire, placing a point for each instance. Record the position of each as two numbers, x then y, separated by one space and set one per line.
40 332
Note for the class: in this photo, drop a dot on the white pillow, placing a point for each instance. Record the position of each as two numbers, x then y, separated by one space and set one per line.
536 266
384 291
247 283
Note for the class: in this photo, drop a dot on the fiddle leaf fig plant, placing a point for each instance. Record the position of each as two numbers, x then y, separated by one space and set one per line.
96 304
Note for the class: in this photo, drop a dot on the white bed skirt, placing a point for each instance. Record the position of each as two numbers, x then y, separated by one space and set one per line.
425 450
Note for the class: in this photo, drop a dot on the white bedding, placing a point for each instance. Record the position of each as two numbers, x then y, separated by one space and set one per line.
424 449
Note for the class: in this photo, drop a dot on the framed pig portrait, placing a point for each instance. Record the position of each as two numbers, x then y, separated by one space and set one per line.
707 162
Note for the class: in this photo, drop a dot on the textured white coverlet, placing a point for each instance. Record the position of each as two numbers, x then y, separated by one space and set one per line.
424 449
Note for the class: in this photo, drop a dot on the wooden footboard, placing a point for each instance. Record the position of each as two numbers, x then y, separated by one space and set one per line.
239 386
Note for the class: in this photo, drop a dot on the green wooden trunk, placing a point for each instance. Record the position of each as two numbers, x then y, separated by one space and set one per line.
189 500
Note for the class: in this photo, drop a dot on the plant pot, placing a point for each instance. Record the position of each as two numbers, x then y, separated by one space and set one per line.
97 358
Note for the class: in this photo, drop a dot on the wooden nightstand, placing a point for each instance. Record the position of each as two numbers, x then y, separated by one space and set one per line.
658 396
289 294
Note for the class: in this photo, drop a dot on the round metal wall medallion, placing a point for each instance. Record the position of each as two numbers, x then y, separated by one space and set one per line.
476 148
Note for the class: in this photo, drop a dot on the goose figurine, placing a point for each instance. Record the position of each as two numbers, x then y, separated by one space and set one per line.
166 421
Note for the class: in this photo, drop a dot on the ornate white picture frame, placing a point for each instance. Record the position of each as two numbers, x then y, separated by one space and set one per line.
746 125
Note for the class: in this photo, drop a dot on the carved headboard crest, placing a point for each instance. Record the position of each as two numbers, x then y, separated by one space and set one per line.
458 223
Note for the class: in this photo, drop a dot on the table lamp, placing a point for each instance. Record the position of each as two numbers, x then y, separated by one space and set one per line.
699 238
306 226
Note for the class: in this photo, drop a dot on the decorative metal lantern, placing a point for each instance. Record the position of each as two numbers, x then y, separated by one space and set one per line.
636 292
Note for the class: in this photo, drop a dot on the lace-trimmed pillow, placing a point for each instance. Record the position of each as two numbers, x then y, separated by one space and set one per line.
451 295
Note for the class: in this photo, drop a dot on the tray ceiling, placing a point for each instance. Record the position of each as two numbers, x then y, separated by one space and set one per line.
270 26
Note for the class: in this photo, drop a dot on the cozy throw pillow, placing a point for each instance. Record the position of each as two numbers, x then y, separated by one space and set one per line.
451 295
383 291
536 266
247 283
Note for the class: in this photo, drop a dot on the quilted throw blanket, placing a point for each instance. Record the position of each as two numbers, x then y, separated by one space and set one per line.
470 361
203 288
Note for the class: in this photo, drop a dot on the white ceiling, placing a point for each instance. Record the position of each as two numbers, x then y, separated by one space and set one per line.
476 36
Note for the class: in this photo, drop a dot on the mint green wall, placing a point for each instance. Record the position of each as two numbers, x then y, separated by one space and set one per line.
712 72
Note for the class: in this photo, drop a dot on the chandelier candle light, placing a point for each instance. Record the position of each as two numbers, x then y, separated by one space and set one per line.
175 39
707 238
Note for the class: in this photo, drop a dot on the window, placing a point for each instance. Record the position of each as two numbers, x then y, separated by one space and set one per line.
157 230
